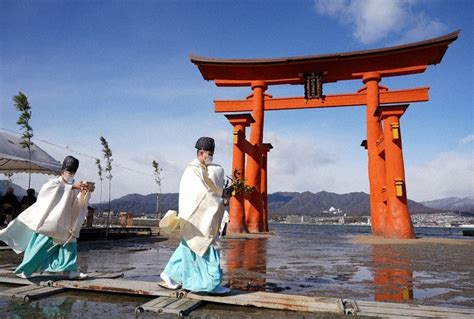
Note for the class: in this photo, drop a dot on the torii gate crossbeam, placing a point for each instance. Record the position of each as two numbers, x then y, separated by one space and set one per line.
338 100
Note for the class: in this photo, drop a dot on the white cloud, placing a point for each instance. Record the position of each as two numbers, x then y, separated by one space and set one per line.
422 27
331 7
467 139
448 174
374 20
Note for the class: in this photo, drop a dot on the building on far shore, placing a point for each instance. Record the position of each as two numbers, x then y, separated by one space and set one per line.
429 220
293 219
332 210
306 219
332 220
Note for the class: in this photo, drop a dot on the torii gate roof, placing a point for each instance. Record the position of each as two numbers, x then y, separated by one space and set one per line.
390 61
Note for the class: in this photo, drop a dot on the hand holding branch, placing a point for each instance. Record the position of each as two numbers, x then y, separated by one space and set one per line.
84 186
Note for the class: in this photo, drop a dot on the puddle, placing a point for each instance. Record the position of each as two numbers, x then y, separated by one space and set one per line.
362 274
429 292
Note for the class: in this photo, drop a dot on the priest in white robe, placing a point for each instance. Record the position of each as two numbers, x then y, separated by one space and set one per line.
195 264
47 231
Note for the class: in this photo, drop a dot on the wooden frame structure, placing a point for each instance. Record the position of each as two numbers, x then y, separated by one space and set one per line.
388 200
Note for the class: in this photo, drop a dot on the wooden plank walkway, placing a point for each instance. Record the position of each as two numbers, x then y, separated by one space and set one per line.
132 287
8 277
181 302
30 292
236 297
178 306
397 310
274 301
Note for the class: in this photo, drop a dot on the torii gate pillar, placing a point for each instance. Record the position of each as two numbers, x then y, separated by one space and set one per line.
236 210
376 165
266 147
254 202
398 221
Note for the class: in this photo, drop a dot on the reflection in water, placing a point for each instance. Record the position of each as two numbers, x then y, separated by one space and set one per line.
393 274
59 308
246 268
246 261
75 304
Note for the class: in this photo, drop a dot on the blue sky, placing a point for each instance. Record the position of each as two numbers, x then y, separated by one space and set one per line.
121 69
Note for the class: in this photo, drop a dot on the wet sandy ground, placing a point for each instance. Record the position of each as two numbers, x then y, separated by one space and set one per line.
297 259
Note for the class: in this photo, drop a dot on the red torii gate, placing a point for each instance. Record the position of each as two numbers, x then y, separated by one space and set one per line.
388 199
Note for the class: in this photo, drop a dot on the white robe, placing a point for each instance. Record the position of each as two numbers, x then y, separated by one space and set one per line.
200 205
58 212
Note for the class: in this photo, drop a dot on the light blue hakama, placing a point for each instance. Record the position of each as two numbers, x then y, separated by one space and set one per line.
42 254
193 272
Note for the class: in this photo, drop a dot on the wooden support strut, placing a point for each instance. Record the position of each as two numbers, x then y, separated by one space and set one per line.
266 147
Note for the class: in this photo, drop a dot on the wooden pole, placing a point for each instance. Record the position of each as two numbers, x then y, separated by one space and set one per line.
266 147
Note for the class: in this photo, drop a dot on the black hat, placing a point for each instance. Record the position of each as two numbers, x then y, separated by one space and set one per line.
70 164
206 144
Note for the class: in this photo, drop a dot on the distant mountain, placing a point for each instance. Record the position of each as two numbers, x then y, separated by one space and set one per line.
452 203
312 204
305 203
308 203
283 203
141 204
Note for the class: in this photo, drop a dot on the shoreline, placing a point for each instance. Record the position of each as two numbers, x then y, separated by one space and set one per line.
364 225
378 240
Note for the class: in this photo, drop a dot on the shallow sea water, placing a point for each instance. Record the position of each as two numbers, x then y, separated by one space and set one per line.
308 260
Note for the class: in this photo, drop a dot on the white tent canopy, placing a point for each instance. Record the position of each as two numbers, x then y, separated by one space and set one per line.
15 159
